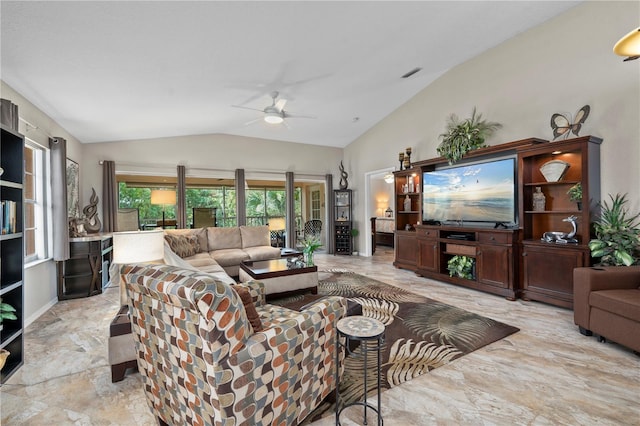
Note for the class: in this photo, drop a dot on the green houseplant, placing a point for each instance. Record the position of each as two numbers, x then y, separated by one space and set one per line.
354 235
461 266
7 312
310 245
575 194
464 136
617 239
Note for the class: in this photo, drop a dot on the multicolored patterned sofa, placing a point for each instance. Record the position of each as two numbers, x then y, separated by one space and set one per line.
203 363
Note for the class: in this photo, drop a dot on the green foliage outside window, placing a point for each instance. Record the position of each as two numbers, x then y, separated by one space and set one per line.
261 204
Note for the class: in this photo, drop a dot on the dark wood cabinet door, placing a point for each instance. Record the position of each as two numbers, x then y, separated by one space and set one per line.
406 250
493 265
428 254
548 273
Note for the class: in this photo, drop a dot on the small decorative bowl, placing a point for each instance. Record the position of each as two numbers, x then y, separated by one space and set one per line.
554 170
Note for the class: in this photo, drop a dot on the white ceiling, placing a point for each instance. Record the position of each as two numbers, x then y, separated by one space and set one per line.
108 71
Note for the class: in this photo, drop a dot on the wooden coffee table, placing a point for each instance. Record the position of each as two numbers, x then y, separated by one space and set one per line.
279 277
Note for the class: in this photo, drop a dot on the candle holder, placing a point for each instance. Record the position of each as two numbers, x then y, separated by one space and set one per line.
407 158
401 158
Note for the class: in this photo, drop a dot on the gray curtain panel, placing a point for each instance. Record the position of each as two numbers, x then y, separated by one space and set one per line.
241 210
60 224
289 190
331 224
109 197
181 213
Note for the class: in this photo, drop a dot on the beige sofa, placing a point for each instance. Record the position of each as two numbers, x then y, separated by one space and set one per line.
216 251
226 248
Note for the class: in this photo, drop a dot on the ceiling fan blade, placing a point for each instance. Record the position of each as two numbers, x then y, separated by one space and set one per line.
293 115
280 104
244 107
284 123
255 120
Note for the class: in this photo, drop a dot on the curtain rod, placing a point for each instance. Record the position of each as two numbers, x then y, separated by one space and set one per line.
273 172
33 126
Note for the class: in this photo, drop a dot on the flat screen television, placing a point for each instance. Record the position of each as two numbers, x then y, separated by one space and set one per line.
484 191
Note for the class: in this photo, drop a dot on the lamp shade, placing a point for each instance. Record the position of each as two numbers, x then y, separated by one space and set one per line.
276 224
163 196
138 246
629 45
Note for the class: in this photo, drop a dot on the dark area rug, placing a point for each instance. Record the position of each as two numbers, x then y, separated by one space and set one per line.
421 334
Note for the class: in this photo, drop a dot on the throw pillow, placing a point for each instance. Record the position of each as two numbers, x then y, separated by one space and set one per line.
249 307
182 245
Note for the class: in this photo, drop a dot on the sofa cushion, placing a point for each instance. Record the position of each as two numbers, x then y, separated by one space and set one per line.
254 236
229 257
624 302
204 263
249 307
183 245
262 253
223 238
200 233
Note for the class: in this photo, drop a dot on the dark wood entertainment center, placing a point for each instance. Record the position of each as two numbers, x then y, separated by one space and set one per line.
512 262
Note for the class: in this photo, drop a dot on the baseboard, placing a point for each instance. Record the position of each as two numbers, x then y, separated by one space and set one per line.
39 312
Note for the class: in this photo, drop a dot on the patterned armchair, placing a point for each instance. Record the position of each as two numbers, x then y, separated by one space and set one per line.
203 364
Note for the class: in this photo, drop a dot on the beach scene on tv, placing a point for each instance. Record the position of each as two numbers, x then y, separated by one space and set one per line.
481 192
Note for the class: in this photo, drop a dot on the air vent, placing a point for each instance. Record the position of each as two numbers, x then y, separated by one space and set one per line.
412 72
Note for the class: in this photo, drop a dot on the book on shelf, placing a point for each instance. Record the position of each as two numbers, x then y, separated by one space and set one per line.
8 217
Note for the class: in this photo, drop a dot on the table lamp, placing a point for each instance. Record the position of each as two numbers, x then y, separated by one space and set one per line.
136 247
163 197
277 227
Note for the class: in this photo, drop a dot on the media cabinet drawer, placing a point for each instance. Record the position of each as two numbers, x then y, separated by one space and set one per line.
494 238
461 249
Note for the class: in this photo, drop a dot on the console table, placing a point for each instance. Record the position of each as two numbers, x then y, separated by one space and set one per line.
86 272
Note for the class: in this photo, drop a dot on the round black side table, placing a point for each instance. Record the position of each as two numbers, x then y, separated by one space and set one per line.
361 329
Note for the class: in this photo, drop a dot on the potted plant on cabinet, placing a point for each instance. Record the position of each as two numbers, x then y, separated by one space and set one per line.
575 194
7 312
464 136
617 241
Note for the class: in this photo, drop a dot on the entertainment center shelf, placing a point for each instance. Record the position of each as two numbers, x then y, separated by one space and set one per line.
512 259
492 251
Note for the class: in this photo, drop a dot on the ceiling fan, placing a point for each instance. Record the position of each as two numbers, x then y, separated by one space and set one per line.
274 113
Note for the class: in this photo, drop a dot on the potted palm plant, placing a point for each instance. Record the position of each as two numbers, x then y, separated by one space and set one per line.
617 241
464 136
7 312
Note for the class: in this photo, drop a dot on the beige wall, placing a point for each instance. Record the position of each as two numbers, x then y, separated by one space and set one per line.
40 291
557 67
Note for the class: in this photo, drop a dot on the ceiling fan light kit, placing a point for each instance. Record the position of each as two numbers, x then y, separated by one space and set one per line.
273 118
629 45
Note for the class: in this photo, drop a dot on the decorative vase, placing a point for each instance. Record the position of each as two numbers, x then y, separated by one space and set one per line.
308 258
407 204
579 205
3 357
539 200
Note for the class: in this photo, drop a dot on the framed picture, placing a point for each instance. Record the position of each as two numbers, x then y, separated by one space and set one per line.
73 188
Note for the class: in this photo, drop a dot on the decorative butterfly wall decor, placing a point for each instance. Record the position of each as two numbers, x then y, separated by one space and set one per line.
562 126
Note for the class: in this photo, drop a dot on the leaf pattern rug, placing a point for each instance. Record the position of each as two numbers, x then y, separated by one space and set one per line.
421 334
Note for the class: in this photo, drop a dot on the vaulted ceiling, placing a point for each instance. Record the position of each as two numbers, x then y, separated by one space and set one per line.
116 70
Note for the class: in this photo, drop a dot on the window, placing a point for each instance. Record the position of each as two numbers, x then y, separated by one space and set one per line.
315 204
223 198
138 196
35 236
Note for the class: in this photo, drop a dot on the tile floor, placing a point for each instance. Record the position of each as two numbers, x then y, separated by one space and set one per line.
546 374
